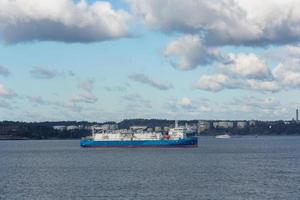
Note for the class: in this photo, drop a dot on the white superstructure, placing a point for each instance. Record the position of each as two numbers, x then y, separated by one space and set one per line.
99 134
177 133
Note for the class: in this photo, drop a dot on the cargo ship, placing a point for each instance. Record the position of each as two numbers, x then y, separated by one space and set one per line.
175 137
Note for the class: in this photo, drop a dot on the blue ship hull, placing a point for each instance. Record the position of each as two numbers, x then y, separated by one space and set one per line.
187 142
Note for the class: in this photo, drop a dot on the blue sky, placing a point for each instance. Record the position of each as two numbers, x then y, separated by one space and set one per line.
147 59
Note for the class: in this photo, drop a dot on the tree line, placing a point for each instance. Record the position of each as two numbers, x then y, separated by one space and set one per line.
45 130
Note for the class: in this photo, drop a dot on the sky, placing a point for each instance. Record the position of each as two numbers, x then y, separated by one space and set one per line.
112 60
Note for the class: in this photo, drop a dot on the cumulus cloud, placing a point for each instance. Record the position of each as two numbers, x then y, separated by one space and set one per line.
287 71
61 20
86 93
215 82
237 107
186 103
188 52
225 22
262 103
246 65
6 92
268 86
206 27
4 71
85 97
219 82
186 107
287 77
158 84
261 107
43 73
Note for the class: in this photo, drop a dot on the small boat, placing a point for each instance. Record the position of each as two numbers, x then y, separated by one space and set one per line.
224 136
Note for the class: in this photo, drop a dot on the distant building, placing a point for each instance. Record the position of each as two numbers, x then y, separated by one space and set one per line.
59 128
96 127
223 124
203 126
72 127
157 129
88 127
138 127
242 124
105 126
149 129
252 123
166 128
81 126
113 126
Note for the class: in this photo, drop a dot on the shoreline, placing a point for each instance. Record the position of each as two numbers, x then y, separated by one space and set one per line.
232 136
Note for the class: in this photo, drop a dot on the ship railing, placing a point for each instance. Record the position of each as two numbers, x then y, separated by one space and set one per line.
87 137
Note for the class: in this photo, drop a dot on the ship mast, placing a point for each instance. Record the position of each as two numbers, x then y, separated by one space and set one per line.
176 123
93 131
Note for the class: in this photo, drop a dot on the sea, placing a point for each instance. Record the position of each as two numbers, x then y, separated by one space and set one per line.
240 168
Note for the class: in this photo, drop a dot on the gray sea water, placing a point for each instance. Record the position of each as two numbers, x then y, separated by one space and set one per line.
233 169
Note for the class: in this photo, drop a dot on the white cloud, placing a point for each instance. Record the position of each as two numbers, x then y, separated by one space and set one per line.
291 51
60 20
259 107
268 86
207 26
286 76
188 52
246 65
185 101
215 82
4 71
156 83
264 108
186 104
236 108
219 82
187 108
225 22
6 92
84 97
202 17
287 71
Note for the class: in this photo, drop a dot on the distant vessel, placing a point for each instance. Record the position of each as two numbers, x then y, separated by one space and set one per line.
224 136
176 137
